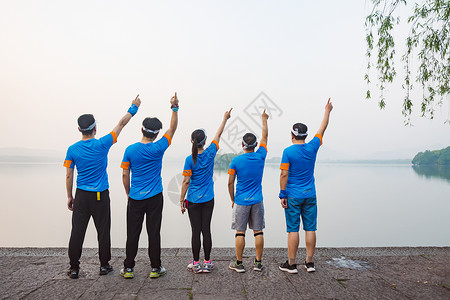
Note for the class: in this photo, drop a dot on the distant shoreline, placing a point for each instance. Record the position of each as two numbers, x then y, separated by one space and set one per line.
35 160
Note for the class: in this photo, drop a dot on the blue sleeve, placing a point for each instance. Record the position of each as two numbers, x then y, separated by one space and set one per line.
162 144
107 141
232 168
285 158
262 152
211 150
315 143
188 164
126 160
69 161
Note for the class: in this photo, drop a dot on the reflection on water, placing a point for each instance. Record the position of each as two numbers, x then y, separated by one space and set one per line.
433 171
358 205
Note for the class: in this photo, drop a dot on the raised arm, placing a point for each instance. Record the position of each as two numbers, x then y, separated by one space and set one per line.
69 187
174 119
184 188
231 179
265 129
130 113
126 181
219 132
326 118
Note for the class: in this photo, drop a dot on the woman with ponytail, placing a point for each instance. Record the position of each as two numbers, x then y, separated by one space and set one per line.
199 185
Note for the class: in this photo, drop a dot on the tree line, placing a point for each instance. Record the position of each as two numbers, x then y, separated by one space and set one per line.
435 157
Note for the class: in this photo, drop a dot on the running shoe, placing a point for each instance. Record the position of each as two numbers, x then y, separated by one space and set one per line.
286 267
127 273
208 266
257 266
157 272
106 269
73 273
195 266
310 267
237 267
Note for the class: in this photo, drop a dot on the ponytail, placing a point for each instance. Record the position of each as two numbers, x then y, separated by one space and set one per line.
194 151
198 138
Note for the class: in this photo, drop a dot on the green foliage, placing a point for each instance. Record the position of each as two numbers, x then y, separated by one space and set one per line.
429 34
222 161
436 157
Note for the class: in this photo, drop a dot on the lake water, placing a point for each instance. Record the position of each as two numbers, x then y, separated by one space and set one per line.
358 205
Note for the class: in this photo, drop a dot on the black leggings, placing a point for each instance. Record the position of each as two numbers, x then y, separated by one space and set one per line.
200 215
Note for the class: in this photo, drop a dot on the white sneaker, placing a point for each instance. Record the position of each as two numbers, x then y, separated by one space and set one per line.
310 267
195 266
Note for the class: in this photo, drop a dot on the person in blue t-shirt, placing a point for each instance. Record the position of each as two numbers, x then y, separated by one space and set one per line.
247 203
90 157
298 191
199 185
144 191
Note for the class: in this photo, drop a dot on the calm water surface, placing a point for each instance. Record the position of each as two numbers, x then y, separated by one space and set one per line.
358 205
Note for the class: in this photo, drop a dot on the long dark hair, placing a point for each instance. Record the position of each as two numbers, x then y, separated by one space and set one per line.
198 138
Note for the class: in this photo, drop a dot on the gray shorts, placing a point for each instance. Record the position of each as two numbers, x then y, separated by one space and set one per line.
251 214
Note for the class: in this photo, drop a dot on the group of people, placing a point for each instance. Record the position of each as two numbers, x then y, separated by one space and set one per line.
142 164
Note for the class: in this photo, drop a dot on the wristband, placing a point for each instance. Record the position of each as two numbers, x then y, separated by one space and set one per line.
174 107
283 194
133 109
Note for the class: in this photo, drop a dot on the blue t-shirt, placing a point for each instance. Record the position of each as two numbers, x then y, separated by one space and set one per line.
300 160
90 157
145 163
201 186
249 168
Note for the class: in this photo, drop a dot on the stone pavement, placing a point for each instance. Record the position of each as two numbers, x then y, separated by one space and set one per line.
342 273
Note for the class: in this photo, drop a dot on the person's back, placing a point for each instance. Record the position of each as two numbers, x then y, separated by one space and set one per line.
145 160
301 160
249 168
91 160
201 187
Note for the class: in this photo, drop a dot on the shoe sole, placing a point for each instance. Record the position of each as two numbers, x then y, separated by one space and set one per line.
310 270
257 269
195 272
127 276
105 272
237 270
295 271
153 276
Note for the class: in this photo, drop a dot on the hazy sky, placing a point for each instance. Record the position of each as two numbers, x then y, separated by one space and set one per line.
60 59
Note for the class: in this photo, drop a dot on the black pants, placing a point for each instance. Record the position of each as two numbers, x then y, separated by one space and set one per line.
136 210
85 205
200 215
